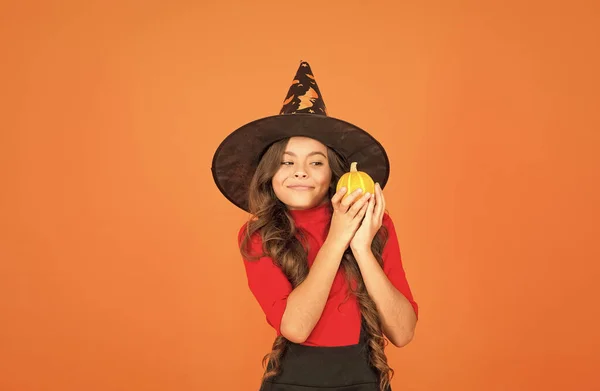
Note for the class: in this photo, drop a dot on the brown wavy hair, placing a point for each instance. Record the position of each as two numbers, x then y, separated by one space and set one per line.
281 242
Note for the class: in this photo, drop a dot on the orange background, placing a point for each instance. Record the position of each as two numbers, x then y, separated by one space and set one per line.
119 268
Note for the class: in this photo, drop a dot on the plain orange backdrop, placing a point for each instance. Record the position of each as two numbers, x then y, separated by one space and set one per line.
118 261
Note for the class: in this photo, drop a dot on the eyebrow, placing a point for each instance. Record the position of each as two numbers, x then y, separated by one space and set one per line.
310 154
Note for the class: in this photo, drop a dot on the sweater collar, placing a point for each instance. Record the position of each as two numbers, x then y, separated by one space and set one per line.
307 217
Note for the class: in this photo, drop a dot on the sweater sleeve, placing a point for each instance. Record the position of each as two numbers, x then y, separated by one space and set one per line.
392 263
267 282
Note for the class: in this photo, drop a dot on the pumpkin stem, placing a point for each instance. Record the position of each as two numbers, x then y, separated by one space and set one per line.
353 167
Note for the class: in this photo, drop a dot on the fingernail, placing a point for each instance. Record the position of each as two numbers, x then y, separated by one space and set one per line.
367 194
343 190
359 190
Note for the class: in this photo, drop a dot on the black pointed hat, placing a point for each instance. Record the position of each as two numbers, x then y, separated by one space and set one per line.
303 114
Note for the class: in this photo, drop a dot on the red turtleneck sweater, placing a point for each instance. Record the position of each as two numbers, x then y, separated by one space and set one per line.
339 324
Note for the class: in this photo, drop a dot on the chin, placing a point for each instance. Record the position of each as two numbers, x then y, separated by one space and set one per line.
298 205
302 204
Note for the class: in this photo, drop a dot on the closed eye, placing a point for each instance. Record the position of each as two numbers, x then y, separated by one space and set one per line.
291 163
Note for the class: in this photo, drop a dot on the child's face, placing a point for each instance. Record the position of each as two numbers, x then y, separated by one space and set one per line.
304 176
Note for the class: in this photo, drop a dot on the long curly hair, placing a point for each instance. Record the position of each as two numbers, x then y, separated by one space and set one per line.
271 219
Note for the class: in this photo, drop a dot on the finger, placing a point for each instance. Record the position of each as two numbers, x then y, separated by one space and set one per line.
349 200
380 202
337 197
359 204
363 212
370 208
383 203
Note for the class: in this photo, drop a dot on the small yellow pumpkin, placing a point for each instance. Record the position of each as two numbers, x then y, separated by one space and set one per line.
356 180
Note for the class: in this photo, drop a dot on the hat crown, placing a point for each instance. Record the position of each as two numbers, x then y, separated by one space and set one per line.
304 95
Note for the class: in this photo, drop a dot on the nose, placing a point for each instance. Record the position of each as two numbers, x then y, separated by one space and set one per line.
300 175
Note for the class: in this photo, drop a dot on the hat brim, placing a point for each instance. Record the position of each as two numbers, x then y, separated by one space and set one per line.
237 157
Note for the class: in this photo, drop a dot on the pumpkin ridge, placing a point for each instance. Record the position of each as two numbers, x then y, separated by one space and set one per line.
350 183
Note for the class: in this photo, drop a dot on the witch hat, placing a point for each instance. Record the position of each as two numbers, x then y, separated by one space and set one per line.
303 114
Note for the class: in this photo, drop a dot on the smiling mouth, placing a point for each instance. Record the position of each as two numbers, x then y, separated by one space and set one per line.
300 187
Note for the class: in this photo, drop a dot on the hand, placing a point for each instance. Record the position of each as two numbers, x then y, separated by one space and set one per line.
347 215
371 223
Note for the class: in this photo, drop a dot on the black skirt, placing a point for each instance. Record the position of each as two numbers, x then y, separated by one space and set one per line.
310 368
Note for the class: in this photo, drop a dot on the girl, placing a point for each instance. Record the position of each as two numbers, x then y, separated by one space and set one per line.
324 266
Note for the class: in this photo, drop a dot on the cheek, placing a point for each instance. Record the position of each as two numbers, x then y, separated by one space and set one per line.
278 179
324 179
